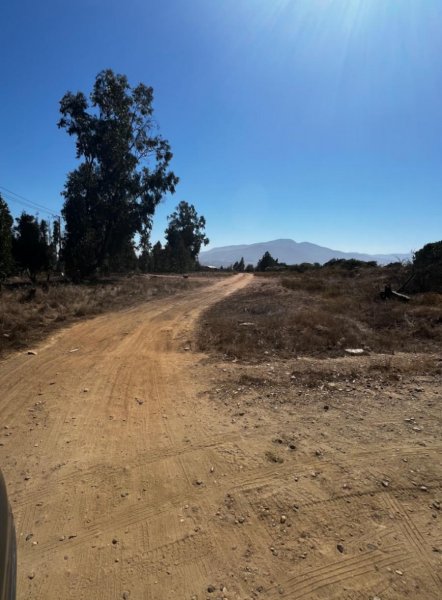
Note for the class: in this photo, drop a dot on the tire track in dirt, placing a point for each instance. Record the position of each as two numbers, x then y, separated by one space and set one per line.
139 514
102 472
121 356
131 471
413 537
304 585
261 477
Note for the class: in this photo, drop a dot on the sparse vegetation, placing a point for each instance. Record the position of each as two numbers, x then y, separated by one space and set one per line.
320 313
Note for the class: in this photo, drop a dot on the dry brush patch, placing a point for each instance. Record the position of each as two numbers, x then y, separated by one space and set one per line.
26 317
334 434
320 314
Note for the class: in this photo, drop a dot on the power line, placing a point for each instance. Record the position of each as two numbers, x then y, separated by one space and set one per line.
26 205
30 206
29 202
21 200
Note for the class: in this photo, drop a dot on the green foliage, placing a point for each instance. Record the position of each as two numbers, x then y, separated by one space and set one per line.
266 262
44 232
250 268
239 266
178 256
303 267
427 267
185 234
124 261
187 225
145 261
158 260
6 222
30 245
123 174
350 264
184 237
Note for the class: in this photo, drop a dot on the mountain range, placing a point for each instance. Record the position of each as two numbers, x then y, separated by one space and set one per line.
287 251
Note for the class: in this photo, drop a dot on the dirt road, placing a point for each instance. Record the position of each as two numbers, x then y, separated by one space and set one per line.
128 480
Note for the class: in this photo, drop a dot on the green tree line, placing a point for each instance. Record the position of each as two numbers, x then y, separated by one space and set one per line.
31 246
123 173
28 245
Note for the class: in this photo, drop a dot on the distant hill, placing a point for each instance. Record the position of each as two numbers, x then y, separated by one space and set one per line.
287 251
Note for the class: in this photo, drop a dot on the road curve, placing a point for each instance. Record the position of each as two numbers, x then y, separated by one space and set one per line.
104 440
139 470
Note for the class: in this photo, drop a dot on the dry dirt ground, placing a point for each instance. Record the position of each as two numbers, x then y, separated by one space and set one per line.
139 469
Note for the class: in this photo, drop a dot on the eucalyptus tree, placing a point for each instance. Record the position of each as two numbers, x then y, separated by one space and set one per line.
123 171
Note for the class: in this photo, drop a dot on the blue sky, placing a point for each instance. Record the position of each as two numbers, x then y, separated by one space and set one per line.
317 120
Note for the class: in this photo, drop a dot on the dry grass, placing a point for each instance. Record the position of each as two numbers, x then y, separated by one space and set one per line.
24 320
320 314
315 373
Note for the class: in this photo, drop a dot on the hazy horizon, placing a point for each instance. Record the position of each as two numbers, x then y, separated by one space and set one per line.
301 241
310 242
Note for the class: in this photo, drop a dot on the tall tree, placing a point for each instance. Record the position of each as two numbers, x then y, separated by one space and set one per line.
6 222
29 249
46 246
56 242
266 262
177 255
239 265
44 232
185 234
145 263
125 261
123 173
159 259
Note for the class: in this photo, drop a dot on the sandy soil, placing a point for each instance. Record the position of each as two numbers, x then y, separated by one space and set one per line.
139 469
